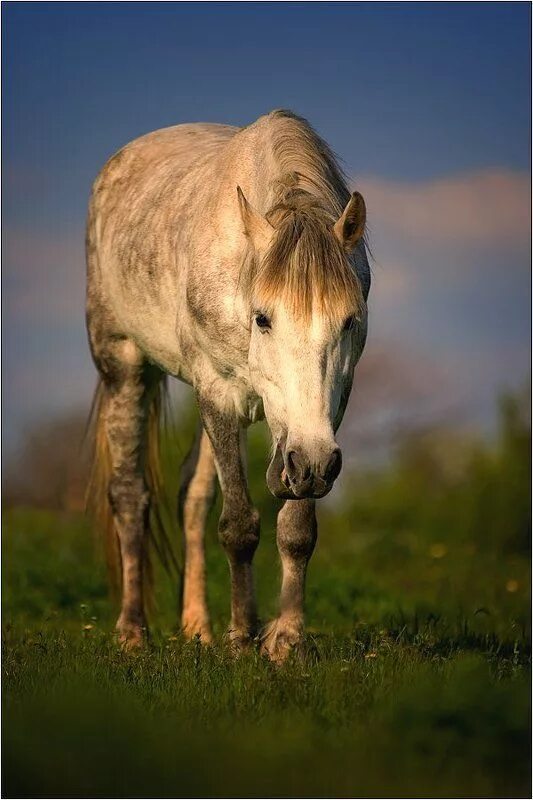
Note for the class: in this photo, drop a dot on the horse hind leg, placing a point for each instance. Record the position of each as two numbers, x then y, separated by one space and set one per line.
196 497
128 385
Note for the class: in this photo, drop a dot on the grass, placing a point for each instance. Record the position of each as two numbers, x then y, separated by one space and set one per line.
379 718
414 706
415 681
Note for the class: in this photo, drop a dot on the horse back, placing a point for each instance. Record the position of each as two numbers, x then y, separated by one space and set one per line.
141 215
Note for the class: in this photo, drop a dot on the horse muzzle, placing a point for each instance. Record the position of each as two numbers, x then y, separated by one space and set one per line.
292 475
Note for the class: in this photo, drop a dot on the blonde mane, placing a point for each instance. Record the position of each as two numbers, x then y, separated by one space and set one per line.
306 267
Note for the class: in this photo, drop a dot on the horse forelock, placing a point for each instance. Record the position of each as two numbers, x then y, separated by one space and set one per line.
305 268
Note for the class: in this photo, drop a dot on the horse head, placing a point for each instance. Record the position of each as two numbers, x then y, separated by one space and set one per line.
308 328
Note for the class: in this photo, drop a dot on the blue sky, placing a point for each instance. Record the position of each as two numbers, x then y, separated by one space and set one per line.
427 104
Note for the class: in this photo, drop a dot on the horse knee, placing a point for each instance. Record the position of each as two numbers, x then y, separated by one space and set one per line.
297 529
238 532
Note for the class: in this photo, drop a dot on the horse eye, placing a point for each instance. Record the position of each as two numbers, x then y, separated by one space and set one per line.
262 321
350 322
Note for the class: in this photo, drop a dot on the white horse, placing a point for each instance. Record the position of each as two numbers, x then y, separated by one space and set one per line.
232 259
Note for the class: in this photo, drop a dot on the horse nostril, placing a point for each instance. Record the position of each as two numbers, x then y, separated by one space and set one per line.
298 466
333 466
290 460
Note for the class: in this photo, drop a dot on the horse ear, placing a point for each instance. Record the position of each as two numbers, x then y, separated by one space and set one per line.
258 230
350 226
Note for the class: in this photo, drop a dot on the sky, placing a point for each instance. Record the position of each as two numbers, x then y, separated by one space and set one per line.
426 104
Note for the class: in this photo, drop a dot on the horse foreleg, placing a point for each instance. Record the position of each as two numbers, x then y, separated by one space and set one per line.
238 527
296 538
196 498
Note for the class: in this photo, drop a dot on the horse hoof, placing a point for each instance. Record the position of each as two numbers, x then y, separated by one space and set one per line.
279 639
131 638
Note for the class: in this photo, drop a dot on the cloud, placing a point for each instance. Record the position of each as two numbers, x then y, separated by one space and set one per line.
451 254
487 208
451 286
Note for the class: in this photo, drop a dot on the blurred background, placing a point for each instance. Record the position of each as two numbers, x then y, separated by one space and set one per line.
428 530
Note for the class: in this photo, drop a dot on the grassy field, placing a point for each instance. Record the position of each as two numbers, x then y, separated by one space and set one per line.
414 681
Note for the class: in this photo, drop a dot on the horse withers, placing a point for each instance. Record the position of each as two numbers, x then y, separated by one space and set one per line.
234 260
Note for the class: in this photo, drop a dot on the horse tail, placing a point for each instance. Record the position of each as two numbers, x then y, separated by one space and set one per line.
162 522
97 494
159 523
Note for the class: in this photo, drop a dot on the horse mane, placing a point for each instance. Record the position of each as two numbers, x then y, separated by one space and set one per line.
306 266
300 151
